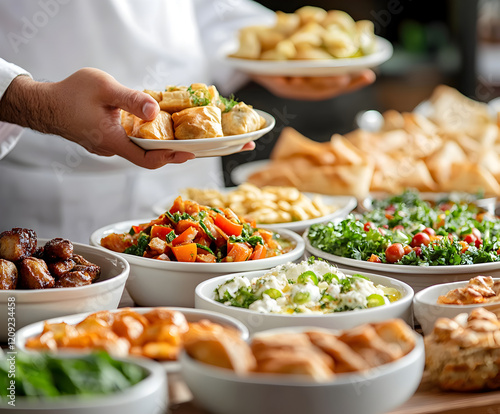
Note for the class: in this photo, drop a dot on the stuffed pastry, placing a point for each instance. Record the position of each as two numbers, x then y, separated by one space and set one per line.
198 122
241 119
177 98
159 128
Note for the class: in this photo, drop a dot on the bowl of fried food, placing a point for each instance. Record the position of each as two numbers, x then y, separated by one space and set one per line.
43 279
277 206
371 368
154 333
78 384
310 293
197 119
309 42
448 300
189 243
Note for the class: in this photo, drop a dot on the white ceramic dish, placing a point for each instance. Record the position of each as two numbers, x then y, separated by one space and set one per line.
36 305
192 315
340 320
418 277
427 310
316 67
160 283
209 147
147 396
378 390
344 205
240 174
486 203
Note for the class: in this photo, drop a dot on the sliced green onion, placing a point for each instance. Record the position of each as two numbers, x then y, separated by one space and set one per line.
170 237
306 276
208 249
273 293
205 229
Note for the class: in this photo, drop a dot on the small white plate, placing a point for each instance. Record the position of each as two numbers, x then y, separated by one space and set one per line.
344 205
312 67
192 315
209 147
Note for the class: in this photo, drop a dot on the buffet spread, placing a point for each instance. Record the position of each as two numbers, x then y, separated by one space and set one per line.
278 286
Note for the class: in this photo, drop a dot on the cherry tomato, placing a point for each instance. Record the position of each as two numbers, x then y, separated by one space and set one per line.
394 252
430 231
399 227
418 251
407 249
368 225
478 243
470 239
419 239
375 259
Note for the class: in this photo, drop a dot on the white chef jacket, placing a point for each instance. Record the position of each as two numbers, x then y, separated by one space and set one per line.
53 185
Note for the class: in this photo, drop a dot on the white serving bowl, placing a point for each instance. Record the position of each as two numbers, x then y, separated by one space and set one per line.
160 283
344 205
375 391
39 304
147 396
418 277
340 320
192 315
427 310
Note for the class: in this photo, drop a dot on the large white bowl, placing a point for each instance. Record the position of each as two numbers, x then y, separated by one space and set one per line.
418 277
160 283
340 320
344 205
147 396
192 315
427 310
378 390
209 147
36 305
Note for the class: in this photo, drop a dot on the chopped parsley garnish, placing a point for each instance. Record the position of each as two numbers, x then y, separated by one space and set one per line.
199 97
140 247
228 103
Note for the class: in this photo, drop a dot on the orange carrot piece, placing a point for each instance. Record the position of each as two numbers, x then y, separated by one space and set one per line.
259 252
185 252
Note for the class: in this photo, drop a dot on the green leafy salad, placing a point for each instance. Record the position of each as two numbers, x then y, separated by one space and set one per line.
407 230
43 376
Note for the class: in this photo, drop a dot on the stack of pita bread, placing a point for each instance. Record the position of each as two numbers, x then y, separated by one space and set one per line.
456 148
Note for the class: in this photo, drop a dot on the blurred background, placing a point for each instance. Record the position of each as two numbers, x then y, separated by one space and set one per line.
452 42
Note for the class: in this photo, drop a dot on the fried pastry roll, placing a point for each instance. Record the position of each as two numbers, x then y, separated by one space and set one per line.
177 98
159 128
198 122
241 119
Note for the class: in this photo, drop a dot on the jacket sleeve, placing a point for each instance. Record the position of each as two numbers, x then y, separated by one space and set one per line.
9 133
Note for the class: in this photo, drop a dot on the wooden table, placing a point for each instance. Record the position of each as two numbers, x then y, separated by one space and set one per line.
426 400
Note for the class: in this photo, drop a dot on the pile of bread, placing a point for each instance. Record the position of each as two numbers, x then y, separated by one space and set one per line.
455 148
318 355
463 354
193 112
309 33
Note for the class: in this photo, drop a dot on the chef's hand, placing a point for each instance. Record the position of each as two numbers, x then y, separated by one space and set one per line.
314 88
85 108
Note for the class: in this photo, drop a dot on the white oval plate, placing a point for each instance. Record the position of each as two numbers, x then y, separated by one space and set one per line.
240 174
192 315
209 147
312 67
344 205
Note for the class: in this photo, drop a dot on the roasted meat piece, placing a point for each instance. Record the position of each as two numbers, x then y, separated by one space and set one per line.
83 265
58 249
8 275
74 278
16 244
59 268
34 274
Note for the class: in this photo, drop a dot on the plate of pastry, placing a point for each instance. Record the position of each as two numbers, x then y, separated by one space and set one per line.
199 120
309 42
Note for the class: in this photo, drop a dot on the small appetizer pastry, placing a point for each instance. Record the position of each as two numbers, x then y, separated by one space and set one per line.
159 128
128 121
8 275
177 98
198 122
240 120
